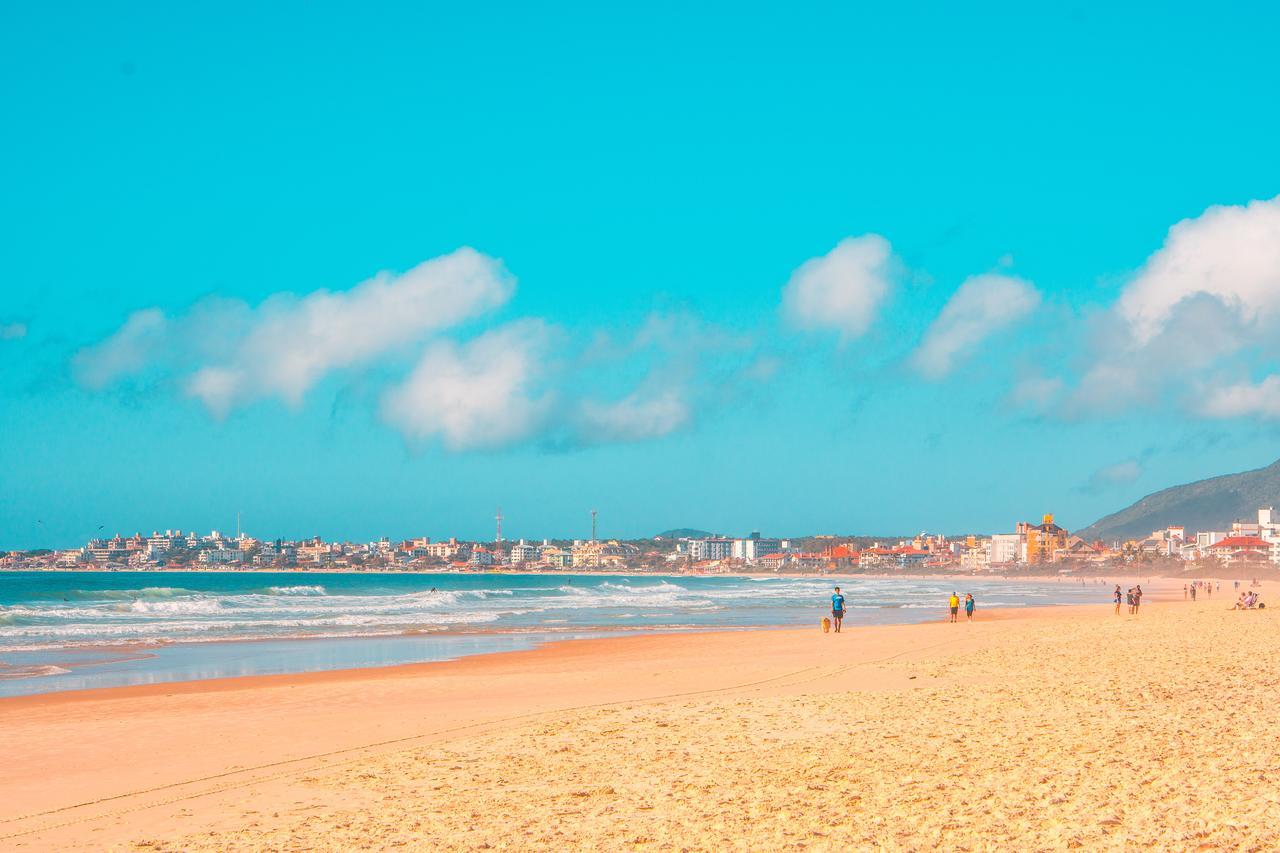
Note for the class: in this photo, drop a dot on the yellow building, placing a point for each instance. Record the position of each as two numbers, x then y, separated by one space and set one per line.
1044 540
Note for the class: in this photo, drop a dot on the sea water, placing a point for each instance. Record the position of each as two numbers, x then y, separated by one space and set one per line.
73 630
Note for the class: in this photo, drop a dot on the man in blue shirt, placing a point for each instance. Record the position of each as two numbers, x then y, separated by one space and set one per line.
837 609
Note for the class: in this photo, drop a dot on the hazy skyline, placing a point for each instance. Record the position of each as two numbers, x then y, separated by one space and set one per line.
816 270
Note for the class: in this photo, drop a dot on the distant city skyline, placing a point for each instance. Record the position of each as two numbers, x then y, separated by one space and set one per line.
802 270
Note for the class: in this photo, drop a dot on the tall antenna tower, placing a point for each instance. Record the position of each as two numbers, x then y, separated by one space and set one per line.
593 525
498 517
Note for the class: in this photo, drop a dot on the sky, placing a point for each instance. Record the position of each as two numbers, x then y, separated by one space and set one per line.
361 271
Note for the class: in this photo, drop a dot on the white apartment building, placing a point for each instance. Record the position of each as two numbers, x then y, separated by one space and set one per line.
521 552
1006 548
1269 530
754 547
977 558
444 550
710 549
160 544
222 556
1207 538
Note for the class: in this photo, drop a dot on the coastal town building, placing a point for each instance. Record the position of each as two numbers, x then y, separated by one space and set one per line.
1241 549
1032 547
752 548
713 548
523 552
1044 540
1006 548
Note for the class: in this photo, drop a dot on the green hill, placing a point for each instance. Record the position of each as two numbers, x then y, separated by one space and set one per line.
683 533
1210 504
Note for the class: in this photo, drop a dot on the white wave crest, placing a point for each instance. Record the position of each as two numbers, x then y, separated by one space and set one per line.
315 589
184 606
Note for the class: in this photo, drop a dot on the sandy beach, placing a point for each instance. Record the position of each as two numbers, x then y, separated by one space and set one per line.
1031 729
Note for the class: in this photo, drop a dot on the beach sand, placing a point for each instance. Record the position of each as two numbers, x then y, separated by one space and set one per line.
1035 729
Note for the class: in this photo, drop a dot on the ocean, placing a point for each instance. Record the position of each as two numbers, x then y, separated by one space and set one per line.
76 630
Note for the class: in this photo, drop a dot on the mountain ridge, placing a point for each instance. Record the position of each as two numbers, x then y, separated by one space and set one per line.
1209 504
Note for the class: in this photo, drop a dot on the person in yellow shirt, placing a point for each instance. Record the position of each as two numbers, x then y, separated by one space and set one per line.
955 606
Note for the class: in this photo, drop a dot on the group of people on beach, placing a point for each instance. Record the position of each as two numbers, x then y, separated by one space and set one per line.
1133 598
954 604
1201 586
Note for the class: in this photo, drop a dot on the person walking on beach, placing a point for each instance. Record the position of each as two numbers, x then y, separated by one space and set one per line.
954 603
1137 598
1193 592
1128 600
837 609
969 604
1116 595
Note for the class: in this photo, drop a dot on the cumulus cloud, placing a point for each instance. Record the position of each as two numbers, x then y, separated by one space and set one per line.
12 331
228 353
982 306
1230 252
1204 305
525 382
125 352
635 417
480 394
1244 399
842 290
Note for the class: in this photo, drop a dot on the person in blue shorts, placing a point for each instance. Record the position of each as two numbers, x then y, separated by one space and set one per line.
837 609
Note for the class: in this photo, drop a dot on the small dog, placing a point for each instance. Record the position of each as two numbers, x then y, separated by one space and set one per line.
826 625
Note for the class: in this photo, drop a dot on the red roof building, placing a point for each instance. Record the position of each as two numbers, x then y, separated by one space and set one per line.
1252 549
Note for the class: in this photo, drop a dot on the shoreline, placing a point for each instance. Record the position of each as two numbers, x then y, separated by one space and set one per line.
552 647
542 637
588 572
527 746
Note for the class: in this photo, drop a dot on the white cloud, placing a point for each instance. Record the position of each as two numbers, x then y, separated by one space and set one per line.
480 394
842 290
126 352
1205 304
12 331
1110 476
1244 400
635 417
232 354
980 307
1035 392
1230 252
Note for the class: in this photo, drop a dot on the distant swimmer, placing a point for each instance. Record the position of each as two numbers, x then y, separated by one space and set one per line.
969 604
837 609
954 604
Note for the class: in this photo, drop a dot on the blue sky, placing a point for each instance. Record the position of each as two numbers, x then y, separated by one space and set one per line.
800 268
